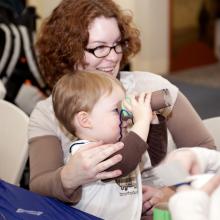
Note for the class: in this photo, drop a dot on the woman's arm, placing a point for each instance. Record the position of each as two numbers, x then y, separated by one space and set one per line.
46 162
48 174
50 177
186 127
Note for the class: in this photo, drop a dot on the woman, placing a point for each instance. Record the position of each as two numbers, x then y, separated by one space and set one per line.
94 35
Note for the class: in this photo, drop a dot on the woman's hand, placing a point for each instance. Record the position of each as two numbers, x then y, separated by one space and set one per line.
151 196
89 163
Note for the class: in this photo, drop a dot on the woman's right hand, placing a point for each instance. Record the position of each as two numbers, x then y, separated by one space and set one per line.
89 163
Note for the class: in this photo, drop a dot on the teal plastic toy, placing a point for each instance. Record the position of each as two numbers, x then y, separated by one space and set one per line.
125 114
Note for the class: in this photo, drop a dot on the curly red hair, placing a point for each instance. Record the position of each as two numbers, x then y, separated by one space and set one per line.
64 35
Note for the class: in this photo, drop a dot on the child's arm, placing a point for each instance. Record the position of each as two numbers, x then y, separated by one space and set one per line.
142 114
134 148
155 133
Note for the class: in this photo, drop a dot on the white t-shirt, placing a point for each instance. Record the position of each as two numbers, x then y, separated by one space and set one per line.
117 199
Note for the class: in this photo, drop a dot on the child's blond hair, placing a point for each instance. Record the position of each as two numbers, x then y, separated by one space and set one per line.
80 91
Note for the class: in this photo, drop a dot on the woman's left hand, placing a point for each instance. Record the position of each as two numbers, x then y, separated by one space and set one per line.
151 196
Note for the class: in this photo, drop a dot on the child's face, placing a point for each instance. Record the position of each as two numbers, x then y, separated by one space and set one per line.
105 117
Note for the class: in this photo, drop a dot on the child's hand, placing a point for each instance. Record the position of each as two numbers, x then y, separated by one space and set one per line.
140 107
142 114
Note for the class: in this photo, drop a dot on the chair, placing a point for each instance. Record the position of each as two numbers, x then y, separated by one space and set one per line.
13 142
213 125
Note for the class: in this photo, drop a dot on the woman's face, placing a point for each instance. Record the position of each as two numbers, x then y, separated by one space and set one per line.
103 32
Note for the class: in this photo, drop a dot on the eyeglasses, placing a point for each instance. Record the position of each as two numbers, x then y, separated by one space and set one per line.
104 51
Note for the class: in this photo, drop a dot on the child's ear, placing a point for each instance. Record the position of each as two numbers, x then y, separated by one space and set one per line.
83 119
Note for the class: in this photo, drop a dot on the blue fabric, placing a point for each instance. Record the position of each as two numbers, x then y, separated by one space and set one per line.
19 204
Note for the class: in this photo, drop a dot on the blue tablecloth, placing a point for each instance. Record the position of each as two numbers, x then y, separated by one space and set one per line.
19 204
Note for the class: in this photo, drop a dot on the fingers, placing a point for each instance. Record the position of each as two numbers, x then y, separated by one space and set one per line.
155 119
99 151
141 97
147 97
103 152
147 208
94 159
90 145
133 100
108 175
89 163
151 196
148 192
100 167
211 185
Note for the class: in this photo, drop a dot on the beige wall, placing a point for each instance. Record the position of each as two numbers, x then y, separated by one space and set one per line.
44 7
151 17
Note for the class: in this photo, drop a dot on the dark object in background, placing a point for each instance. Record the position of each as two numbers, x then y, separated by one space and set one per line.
17 55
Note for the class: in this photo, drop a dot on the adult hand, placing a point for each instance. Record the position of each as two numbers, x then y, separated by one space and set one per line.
187 158
151 196
89 163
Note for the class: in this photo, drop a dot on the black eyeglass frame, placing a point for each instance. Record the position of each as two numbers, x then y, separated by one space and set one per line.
122 44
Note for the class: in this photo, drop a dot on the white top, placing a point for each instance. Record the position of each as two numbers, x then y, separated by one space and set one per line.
43 121
117 199
196 204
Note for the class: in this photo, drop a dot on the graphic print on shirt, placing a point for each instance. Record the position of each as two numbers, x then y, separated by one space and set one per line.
128 185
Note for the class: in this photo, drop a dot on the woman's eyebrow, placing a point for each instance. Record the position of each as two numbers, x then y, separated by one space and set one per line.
104 42
100 42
